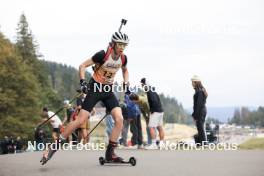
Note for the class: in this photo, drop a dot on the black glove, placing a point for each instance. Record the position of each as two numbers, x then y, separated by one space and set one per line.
84 86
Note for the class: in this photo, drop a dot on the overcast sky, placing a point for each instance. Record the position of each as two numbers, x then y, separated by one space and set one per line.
170 41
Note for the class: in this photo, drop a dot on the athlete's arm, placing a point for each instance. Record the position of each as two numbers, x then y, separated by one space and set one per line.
83 66
125 74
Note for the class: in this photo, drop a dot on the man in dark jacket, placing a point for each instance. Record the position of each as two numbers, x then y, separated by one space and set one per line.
156 115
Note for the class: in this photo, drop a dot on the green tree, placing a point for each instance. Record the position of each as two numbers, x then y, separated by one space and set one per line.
26 85
173 111
247 117
27 47
25 42
63 79
237 117
19 101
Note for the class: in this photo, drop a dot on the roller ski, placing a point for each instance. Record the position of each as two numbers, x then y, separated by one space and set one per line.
131 161
111 157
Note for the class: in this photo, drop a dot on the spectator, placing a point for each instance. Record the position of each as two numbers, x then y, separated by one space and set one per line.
199 109
133 119
11 146
126 122
4 145
142 102
156 115
136 129
19 145
40 137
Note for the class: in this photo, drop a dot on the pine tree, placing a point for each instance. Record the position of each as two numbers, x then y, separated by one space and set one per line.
28 48
173 111
237 117
25 42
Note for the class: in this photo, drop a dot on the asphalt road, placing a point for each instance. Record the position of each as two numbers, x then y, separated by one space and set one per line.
171 163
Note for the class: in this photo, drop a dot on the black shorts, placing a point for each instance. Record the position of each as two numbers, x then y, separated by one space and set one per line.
56 130
95 95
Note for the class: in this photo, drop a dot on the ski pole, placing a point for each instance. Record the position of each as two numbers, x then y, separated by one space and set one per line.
97 124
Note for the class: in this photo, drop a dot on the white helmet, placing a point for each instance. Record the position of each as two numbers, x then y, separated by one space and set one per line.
120 38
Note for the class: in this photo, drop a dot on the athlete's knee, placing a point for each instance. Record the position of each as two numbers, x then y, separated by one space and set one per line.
80 120
82 117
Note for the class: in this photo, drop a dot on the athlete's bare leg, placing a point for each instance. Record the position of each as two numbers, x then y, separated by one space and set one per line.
118 118
82 117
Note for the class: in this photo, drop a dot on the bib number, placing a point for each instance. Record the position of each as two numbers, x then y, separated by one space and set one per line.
108 74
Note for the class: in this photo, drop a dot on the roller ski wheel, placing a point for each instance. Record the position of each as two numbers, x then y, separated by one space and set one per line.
101 161
131 161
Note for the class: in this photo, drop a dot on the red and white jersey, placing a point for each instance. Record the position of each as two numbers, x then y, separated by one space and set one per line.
106 68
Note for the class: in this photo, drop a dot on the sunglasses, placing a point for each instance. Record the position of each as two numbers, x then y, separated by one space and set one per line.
121 45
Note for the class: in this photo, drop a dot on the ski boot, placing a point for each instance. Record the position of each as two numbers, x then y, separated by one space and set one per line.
110 154
112 158
52 148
